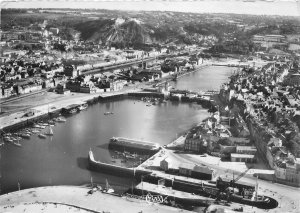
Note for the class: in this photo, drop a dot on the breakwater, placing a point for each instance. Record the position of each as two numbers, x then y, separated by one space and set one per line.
115 169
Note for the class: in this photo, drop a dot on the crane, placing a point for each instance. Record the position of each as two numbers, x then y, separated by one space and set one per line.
231 184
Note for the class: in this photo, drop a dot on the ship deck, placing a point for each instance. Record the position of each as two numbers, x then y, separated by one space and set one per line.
160 189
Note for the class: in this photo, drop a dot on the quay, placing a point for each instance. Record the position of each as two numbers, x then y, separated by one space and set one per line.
115 169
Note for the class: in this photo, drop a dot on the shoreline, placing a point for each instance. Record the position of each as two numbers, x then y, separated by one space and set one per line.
73 199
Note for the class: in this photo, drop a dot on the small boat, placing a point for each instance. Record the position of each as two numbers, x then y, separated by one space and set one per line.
108 188
148 105
43 124
24 135
35 131
50 131
83 107
42 135
39 126
73 111
51 122
1 144
108 113
8 139
60 120
17 144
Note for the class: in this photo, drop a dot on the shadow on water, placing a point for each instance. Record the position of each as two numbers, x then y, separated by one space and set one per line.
83 163
103 146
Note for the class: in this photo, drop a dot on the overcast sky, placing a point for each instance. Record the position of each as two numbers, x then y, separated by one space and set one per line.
259 7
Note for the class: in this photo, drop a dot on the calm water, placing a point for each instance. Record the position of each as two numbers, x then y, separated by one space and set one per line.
62 159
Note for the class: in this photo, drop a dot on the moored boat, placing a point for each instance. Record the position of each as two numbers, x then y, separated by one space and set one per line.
108 113
83 107
50 131
35 131
42 136
17 144
60 120
24 135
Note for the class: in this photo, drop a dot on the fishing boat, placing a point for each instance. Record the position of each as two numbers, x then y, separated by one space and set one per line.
43 124
60 120
35 131
17 144
39 126
50 131
108 113
51 122
7 139
42 136
83 107
24 135
73 111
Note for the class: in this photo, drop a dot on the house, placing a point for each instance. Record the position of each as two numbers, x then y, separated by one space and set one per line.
186 169
196 171
194 143
203 172
73 86
251 150
70 71
166 164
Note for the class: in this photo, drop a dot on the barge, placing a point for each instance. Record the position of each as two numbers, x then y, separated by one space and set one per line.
133 145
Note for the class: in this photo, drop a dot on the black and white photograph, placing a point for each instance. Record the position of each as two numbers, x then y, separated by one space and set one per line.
145 106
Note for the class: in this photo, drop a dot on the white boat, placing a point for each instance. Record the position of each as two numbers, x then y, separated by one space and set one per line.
50 131
60 120
39 126
83 106
108 188
25 135
8 139
17 144
51 122
42 135
108 113
35 131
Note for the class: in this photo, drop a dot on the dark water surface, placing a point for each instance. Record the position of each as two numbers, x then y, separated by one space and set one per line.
62 158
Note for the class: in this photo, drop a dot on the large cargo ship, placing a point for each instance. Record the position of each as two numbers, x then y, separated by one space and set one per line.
133 144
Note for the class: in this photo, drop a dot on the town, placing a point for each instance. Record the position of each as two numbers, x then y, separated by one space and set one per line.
244 156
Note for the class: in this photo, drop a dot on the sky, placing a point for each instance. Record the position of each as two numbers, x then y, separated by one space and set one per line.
258 7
